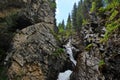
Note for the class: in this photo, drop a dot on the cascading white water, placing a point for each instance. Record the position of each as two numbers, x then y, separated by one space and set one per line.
66 75
69 48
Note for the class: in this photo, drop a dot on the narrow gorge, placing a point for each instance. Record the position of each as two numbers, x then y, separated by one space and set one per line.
66 75
34 47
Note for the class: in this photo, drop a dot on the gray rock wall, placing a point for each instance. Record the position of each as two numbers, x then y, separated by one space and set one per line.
29 11
34 53
98 60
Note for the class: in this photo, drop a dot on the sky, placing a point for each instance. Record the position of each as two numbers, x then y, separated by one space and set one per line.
64 7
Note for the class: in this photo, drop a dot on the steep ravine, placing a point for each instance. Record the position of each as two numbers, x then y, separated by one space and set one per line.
34 53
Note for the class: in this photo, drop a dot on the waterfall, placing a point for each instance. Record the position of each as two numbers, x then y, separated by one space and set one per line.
66 75
69 48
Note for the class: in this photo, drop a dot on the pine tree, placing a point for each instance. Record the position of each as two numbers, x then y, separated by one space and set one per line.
69 26
79 16
69 23
74 15
61 27
97 3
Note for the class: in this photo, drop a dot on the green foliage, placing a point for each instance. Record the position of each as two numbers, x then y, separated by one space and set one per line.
58 51
93 8
69 30
78 13
64 32
52 4
8 21
79 18
111 5
56 35
101 63
74 15
110 27
61 27
88 47
99 3
111 1
11 19
112 22
60 36
113 15
3 73
85 21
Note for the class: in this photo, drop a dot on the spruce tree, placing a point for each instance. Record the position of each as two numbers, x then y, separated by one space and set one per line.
74 16
69 23
61 27
69 30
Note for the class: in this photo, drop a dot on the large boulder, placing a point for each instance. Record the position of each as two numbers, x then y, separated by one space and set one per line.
35 55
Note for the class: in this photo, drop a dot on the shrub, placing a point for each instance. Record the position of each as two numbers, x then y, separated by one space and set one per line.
93 8
101 63
110 28
113 15
11 19
58 51
52 4
88 47
85 21
3 75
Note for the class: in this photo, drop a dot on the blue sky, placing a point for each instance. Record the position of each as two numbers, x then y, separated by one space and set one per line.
64 7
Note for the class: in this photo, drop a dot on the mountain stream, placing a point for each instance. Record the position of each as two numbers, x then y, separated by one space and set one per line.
66 75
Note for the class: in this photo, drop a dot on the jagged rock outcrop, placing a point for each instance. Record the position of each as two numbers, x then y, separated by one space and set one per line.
98 60
29 11
111 69
19 14
33 54
88 60
39 11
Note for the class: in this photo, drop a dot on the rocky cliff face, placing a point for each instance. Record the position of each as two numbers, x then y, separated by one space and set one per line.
34 53
111 70
29 11
99 60
88 60
18 14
